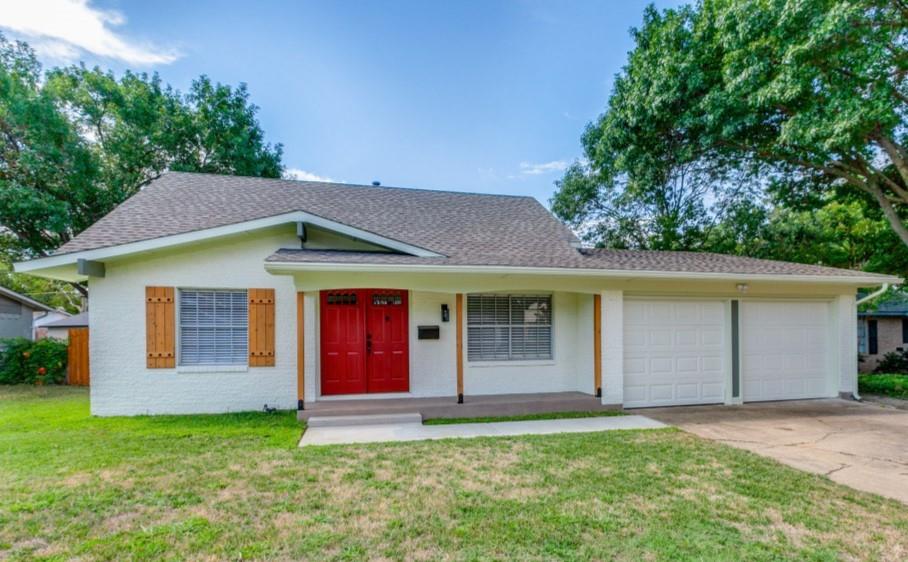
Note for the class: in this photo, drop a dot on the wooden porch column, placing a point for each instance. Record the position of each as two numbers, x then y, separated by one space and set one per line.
300 351
597 344
458 311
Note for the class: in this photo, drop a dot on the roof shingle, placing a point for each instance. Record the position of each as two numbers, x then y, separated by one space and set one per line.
449 223
464 228
588 258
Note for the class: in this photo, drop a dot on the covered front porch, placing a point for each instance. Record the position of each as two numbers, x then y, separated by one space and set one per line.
447 356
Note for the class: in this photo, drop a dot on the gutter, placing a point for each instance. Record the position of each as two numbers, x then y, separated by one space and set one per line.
860 301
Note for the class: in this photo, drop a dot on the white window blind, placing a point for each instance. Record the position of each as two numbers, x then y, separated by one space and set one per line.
509 327
214 327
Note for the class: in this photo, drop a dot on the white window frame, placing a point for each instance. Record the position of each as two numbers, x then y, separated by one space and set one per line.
511 359
208 366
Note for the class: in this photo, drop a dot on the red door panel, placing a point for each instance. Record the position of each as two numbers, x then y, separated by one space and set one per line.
364 341
387 364
343 342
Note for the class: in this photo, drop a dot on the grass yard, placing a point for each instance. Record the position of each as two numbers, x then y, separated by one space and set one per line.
895 386
236 486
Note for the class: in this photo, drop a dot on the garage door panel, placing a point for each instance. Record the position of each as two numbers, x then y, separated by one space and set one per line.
785 350
681 361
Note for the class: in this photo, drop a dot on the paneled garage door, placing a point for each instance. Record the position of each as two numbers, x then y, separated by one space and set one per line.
674 352
784 350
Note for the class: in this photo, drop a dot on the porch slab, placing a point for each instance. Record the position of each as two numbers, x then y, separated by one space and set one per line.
381 433
472 407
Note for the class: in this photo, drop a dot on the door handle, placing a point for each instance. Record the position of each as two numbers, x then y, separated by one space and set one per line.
368 343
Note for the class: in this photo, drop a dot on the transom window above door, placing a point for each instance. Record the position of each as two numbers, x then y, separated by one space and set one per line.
387 299
342 298
509 327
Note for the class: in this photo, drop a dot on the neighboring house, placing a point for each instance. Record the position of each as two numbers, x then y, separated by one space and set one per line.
42 319
882 330
215 293
60 328
17 312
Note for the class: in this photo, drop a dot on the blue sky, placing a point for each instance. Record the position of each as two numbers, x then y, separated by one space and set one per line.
487 96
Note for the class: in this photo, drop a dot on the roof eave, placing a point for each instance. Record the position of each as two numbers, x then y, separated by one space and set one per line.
22 299
857 281
56 266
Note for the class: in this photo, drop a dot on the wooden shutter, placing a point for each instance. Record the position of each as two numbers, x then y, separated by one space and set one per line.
159 328
261 327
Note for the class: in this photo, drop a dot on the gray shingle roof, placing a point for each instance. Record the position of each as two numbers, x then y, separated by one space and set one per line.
613 260
75 321
449 223
465 228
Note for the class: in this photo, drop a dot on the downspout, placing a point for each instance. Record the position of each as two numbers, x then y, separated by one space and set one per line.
860 301
872 295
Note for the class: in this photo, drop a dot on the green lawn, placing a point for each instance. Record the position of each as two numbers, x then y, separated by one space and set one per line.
895 386
236 486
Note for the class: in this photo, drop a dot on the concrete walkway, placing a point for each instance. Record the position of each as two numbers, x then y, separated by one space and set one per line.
377 433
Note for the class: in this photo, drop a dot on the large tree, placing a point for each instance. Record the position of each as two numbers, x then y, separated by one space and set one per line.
804 98
76 142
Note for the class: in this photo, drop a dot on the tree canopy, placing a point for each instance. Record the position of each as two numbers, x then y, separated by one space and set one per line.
769 107
75 142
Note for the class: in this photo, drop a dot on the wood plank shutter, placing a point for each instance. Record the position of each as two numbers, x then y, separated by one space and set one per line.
261 327
159 328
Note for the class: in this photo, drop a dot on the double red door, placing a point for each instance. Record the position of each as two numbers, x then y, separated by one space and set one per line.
364 341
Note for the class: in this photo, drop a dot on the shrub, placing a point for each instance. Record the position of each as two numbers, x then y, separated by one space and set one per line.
893 362
889 385
30 362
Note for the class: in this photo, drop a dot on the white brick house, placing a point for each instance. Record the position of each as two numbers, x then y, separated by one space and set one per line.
217 293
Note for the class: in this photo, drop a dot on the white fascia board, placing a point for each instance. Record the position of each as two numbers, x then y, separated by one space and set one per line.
290 267
100 254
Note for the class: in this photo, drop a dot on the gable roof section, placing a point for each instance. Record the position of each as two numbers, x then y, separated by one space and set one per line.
438 222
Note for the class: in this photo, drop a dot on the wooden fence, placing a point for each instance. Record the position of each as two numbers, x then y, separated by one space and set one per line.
77 357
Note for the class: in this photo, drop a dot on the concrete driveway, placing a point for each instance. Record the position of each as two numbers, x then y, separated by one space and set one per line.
861 445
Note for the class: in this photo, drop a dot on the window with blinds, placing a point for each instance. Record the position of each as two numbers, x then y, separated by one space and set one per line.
509 327
214 327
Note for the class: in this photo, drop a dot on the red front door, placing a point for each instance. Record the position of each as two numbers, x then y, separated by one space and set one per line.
364 341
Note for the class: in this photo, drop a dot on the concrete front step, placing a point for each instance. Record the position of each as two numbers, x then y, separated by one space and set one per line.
374 419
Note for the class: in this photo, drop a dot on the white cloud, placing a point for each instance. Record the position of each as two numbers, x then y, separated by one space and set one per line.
64 29
537 169
303 175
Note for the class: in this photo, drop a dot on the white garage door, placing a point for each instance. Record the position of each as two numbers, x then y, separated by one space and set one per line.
784 350
674 352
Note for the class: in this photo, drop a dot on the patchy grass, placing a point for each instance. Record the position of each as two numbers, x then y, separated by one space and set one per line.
236 486
895 386
525 417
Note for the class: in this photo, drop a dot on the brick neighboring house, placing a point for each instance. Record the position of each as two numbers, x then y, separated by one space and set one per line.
881 331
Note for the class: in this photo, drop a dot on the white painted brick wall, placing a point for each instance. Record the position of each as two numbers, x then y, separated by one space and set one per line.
120 383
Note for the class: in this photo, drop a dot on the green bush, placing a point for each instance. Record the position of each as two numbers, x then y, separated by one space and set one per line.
895 386
23 361
893 362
